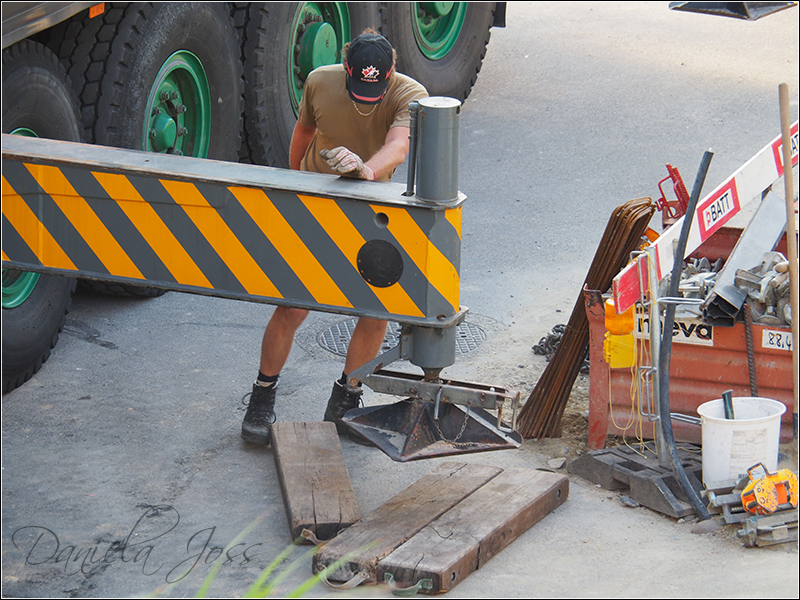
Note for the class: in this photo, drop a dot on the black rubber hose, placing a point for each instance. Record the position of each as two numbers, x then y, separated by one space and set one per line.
666 345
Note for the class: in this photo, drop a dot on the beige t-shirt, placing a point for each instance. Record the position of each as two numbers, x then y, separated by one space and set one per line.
361 128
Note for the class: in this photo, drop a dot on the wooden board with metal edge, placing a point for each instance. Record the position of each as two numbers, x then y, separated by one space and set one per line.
316 487
445 526
463 539
389 526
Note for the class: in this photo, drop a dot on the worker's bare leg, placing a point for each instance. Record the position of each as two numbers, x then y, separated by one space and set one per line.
278 337
275 347
365 343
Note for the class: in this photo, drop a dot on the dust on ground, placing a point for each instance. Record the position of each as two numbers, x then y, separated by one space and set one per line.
573 436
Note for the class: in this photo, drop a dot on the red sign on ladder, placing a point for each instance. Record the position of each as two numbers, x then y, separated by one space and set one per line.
712 212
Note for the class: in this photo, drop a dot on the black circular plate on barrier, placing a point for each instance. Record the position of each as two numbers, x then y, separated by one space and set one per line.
380 263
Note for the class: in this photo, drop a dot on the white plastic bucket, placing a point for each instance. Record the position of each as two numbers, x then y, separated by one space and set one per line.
731 446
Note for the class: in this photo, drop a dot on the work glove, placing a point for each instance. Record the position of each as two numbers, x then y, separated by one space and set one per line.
347 163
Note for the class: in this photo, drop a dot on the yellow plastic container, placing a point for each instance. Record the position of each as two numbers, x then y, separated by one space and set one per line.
618 324
619 350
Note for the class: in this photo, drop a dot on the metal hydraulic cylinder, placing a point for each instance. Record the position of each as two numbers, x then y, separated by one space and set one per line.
437 152
436 155
433 349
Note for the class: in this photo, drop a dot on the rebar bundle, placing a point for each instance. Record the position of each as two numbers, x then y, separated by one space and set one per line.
541 414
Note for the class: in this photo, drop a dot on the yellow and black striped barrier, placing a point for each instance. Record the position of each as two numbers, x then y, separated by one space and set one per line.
231 230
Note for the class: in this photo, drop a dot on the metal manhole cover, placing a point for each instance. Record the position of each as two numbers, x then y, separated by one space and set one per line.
336 338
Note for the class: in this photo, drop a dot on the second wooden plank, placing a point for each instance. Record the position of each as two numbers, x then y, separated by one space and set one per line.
390 525
463 539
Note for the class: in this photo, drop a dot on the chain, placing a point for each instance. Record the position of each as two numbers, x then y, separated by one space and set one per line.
363 114
460 433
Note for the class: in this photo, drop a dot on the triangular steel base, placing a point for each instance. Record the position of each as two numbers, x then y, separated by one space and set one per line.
407 430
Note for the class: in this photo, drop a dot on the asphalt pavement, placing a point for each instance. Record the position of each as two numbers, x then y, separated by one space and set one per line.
131 429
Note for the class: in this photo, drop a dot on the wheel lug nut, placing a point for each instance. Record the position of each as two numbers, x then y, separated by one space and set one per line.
164 96
156 111
181 108
173 95
182 131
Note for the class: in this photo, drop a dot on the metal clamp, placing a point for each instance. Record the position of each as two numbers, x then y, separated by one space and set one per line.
356 580
308 535
422 584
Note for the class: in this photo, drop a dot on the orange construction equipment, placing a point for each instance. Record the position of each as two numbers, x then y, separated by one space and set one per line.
763 495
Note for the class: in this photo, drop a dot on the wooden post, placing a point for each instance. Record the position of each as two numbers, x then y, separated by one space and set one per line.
791 240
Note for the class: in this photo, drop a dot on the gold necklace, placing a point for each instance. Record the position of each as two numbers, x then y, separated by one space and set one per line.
363 114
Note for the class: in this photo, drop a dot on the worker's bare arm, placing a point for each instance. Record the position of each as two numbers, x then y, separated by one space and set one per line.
301 138
392 154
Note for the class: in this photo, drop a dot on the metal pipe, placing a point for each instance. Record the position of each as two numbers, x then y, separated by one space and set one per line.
413 137
791 243
655 349
666 345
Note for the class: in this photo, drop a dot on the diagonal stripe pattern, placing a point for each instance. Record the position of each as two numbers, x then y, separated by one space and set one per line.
272 245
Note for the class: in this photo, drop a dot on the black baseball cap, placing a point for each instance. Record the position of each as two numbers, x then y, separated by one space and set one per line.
368 63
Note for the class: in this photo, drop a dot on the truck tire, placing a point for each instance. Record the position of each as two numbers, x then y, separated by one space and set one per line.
37 101
442 50
82 44
113 288
119 59
275 69
173 82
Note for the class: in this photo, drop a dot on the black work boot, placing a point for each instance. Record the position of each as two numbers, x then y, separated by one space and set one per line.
342 399
260 415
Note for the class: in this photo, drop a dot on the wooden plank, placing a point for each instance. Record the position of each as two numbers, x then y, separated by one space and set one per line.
390 525
316 487
464 538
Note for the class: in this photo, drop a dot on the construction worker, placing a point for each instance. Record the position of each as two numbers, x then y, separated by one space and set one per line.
354 121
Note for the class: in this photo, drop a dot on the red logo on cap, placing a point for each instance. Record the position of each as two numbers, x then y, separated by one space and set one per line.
370 74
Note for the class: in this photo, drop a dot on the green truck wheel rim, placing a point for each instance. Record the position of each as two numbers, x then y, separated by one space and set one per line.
18 285
319 32
178 111
24 132
437 26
